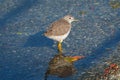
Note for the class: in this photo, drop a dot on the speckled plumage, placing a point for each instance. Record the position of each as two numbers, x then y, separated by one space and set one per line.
58 28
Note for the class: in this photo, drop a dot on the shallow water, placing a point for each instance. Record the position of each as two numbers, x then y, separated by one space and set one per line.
25 52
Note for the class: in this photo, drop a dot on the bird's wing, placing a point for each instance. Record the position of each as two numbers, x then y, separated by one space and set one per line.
59 27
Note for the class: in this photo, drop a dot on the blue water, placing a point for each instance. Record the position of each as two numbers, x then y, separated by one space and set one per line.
25 51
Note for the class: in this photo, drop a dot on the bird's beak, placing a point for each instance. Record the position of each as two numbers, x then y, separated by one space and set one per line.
76 20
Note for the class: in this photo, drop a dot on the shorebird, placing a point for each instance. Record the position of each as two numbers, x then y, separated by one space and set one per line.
60 29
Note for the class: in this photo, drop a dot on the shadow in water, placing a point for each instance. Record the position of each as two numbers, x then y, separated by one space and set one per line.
62 66
25 5
102 50
38 40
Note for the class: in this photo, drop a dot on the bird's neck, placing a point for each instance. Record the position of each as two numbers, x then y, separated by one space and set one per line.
69 22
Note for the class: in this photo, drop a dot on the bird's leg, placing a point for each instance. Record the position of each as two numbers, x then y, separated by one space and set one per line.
60 47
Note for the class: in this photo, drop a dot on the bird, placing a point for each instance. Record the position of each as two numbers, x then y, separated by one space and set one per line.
60 29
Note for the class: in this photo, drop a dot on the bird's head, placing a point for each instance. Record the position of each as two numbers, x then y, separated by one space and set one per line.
69 18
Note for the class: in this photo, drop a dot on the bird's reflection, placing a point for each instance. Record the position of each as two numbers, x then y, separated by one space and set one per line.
62 66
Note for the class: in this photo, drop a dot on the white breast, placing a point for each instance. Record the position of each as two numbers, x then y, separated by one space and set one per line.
60 38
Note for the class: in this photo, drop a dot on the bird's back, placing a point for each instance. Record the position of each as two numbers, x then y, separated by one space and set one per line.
57 28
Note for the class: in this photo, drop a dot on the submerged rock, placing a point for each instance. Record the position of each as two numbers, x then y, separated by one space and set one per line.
62 66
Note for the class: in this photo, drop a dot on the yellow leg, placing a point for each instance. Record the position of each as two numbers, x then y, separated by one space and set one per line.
60 47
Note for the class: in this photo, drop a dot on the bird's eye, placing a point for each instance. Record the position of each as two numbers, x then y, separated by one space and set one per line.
70 18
